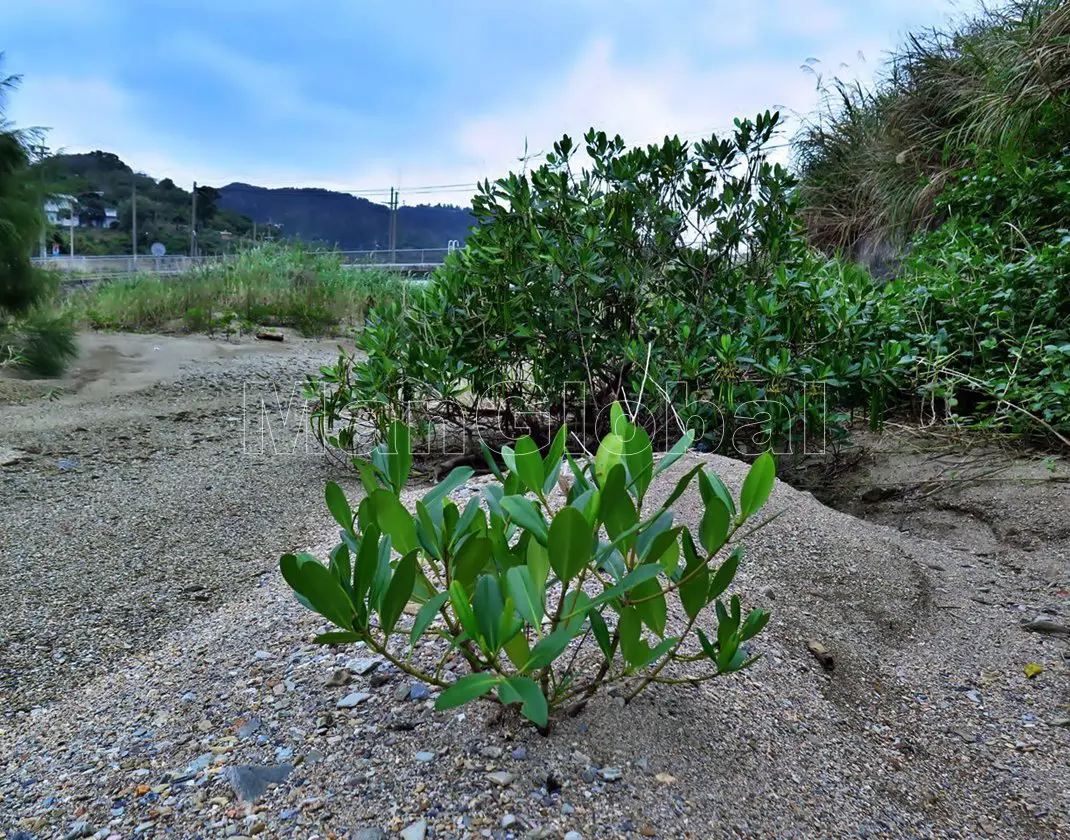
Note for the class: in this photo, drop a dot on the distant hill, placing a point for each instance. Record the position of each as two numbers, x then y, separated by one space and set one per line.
101 182
343 220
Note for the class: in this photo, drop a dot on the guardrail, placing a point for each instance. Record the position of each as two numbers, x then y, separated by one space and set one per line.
401 259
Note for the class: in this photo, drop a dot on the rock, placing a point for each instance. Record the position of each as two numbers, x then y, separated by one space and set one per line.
611 774
419 691
351 701
1047 626
1060 722
664 779
425 756
360 667
573 835
369 834
501 778
78 829
821 654
491 752
416 831
314 756
973 696
11 456
261 655
567 810
66 464
402 691
250 781
378 678
338 678
519 754
508 821
769 592
251 727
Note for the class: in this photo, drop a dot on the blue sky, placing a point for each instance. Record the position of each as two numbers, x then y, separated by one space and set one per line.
360 95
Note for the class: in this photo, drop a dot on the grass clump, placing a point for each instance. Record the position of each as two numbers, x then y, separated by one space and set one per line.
269 285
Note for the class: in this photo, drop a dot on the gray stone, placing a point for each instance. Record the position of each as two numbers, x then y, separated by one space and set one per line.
249 728
419 691
567 809
501 778
250 781
611 774
573 835
338 678
425 756
401 692
508 821
416 831
519 754
369 834
363 666
313 756
353 700
78 829
491 752
262 655
1047 626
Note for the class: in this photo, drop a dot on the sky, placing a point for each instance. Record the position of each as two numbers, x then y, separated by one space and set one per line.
360 96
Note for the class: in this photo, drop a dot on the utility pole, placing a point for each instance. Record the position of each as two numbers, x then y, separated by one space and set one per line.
193 224
393 225
254 233
133 210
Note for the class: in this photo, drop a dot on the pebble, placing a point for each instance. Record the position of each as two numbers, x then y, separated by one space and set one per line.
508 821
573 835
338 678
501 778
425 756
402 691
373 833
611 774
360 667
249 728
250 781
519 754
351 701
491 752
419 691
416 831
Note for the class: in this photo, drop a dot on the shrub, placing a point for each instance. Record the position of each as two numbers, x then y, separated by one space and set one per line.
544 609
674 276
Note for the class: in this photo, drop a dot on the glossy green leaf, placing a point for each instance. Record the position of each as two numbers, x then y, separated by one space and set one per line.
426 615
462 608
616 509
529 464
527 692
600 632
757 485
457 477
526 515
312 580
395 520
338 505
609 454
569 543
538 563
526 594
725 575
398 593
547 649
466 689
337 638
399 454
711 486
471 559
713 529
488 605
676 453
695 581
638 457
554 459
652 608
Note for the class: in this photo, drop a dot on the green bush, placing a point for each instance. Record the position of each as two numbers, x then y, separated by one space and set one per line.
544 610
675 276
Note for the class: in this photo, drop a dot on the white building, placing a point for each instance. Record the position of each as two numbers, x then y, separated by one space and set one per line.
59 210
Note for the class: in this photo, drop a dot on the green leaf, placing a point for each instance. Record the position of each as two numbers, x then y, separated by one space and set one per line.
711 486
488 605
676 453
609 454
338 505
367 561
651 542
618 420
695 582
340 565
466 689
337 638
393 519
569 543
600 632
757 485
753 624
538 562
725 575
399 455
634 578
457 477
488 456
616 508
713 529
311 580
426 615
398 593
368 476
529 464
632 646
471 559
525 690
638 457
463 610
517 650
652 610
427 532
707 647
526 594
526 515
547 649
681 486
554 460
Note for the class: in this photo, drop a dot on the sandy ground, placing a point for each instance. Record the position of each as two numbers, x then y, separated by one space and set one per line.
926 726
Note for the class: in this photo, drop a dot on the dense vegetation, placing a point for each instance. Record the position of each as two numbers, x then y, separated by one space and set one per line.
335 219
271 284
30 335
958 160
544 610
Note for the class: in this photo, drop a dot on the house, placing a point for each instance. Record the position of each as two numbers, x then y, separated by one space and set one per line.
59 210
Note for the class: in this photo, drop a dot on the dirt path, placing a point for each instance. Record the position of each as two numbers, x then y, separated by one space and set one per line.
139 493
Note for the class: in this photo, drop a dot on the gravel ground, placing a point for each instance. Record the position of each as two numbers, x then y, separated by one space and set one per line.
130 503
926 724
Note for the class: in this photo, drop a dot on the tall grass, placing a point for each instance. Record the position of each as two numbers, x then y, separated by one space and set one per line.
872 160
270 285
